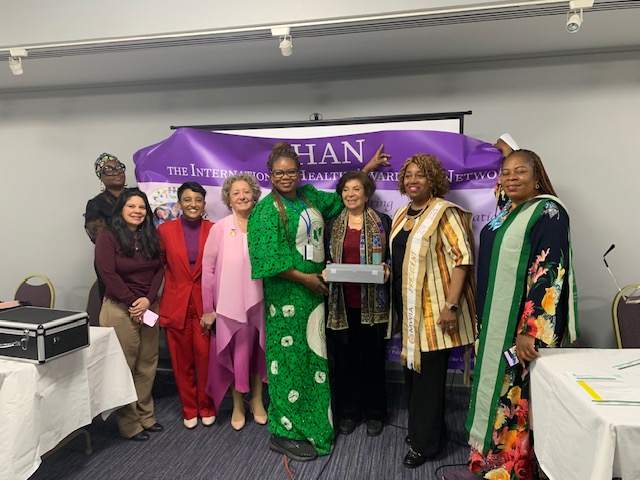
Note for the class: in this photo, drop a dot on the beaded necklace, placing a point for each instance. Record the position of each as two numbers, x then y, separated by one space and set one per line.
412 219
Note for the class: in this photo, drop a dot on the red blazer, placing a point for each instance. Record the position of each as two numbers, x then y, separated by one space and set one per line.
180 282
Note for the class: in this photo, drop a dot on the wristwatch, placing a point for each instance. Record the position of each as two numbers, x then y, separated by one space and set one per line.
452 306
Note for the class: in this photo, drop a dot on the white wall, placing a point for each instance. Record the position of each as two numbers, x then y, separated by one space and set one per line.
29 22
571 115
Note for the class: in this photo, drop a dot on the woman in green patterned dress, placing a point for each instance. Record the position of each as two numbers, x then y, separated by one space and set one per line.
285 236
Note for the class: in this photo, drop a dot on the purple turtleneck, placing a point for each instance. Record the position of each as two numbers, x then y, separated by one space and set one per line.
191 229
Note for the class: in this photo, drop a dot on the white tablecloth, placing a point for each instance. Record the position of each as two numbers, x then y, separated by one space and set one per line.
41 404
576 438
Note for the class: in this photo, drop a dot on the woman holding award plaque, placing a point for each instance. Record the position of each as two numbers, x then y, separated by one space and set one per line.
431 257
358 313
286 247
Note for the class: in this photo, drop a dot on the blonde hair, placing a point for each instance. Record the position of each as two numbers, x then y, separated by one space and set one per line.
240 177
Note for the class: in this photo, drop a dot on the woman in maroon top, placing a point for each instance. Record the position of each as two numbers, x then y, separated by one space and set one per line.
128 260
358 313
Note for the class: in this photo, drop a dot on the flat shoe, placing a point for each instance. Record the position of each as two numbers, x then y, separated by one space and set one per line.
298 450
347 426
414 459
190 423
374 428
208 421
156 427
140 437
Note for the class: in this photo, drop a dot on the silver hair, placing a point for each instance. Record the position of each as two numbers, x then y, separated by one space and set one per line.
240 177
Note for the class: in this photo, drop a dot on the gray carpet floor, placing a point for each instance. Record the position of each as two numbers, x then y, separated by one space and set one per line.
219 452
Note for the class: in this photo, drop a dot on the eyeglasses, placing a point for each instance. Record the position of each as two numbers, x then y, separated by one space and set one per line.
292 172
113 171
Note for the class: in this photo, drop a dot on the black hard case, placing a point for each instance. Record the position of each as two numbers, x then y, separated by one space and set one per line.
37 334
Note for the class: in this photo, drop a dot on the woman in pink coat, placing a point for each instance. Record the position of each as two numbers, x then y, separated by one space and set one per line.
234 307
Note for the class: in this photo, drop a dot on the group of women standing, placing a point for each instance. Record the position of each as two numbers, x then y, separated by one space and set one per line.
526 300
207 284
286 246
256 280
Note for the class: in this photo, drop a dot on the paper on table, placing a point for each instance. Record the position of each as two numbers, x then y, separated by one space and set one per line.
608 389
632 363
149 318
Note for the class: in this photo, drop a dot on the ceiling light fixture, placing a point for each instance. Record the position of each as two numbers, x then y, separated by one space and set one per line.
256 32
15 60
286 42
574 15
574 20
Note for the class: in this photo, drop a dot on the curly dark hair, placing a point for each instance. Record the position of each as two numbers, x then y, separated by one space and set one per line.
146 235
432 168
365 180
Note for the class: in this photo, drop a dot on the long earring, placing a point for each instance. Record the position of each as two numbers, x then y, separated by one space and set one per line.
125 183
101 186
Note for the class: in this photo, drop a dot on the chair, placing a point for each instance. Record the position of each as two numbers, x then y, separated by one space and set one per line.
37 290
626 317
94 304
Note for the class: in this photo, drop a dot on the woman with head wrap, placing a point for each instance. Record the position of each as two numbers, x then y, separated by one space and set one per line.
97 216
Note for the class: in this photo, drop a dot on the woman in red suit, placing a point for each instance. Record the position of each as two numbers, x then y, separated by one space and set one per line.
182 242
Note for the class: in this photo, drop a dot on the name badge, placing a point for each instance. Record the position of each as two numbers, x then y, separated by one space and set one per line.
308 252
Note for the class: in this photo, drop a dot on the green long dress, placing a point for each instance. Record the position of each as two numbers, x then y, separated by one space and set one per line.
296 352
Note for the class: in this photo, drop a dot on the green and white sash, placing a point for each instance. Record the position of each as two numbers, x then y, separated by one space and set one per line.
508 267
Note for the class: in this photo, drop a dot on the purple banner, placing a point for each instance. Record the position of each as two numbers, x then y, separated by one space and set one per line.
209 157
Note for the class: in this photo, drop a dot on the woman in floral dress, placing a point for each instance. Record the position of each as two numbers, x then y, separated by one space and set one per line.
526 300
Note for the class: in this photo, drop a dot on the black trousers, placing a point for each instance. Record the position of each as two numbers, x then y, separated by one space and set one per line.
425 395
359 382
